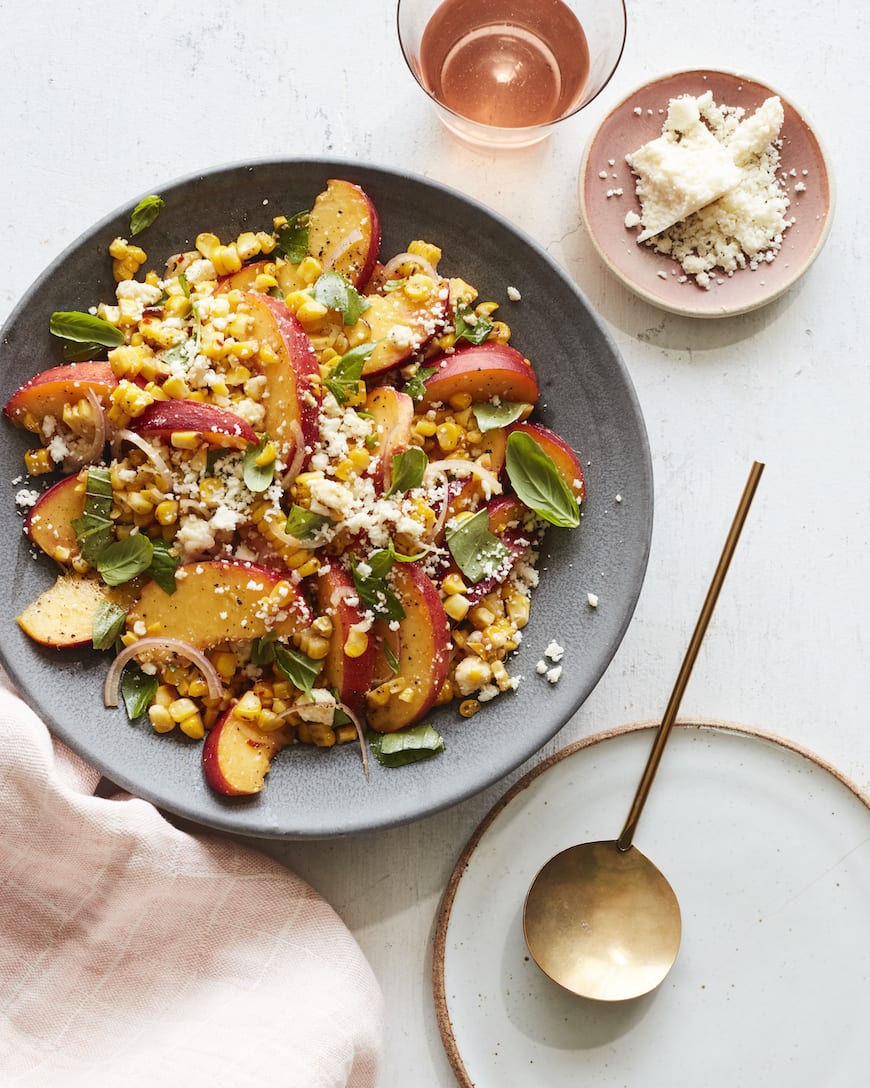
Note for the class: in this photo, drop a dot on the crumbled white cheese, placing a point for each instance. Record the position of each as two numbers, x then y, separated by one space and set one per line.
708 187
554 651
554 674
541 667
26 497
592 600
513 294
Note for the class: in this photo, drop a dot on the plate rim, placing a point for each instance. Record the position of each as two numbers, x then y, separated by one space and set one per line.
224 820
649 296
701 724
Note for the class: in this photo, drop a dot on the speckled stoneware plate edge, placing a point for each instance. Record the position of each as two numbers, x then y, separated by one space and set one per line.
602 1061
586 395
637 267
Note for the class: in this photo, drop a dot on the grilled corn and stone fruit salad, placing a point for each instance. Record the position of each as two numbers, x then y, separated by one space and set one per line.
297 495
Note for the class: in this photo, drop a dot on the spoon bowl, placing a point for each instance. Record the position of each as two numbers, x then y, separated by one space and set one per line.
599 918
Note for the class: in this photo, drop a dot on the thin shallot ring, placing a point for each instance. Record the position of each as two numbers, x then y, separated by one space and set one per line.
295 465
150 452
422 264
340 248
467 468
170 645
336 705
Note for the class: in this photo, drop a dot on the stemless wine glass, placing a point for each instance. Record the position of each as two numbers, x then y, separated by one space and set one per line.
502 73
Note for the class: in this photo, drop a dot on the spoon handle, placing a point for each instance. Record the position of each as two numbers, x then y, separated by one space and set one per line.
627 835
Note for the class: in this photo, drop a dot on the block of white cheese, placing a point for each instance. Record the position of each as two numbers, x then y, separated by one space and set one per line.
755 133
682 170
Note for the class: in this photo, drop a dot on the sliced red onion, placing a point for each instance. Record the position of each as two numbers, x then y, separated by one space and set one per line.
153 455
169 646
467 468
338 251
295 466
422 264
336 705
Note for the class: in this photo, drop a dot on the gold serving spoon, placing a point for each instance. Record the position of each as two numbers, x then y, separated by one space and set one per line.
599 918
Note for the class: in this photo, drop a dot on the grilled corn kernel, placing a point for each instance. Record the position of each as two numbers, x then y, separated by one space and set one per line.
447 436
501 332
206 244
459 401
356 643
309 567
485 309
160 718
266 456
268 721
426 250
268 355
130 398
267 241
312 644
453 583
176 388
518 607
471 674
317 733
344 734
481 617
225 663
38 462
469 707
248 707
247 245
456 606
323 626
192 726
419 287
309 269
181 709
197 687
311 312
139 502
166 512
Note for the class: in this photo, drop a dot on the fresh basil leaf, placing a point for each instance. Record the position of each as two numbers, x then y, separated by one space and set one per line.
489 415
468 325
537 482
184 284
145 212
163 566
108 624
408 469
344 377
372 587
391 659
304 524
406 746
258 477
84 328
296 667
477 551
123 560
415 386
263 649
80 352
333 290
94 528
293 238
137 690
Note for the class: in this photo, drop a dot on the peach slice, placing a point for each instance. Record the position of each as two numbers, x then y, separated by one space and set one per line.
220 600
216 426
293 378
393 413
236 756
484 371
563 456
400 325
344 232
348 674
49 523
46 393
63 615
423 656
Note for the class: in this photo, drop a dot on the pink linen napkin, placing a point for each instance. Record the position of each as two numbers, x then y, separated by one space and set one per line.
134 953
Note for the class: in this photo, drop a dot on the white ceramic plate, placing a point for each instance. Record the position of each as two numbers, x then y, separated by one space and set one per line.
639 118
768 851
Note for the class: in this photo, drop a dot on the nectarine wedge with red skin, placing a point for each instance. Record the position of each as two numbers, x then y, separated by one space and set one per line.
220 600
344 231
484 371
293 379
49 522
350 676
423 653
562 455
237 755
46 393
217 426
400 326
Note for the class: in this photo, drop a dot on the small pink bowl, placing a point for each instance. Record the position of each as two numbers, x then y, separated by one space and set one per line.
604 170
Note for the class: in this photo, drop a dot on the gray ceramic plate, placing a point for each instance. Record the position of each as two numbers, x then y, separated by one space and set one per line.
586 395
